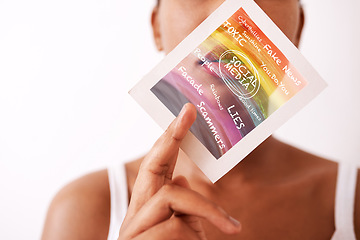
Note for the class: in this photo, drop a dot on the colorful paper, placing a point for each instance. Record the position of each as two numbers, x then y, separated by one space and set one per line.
244 77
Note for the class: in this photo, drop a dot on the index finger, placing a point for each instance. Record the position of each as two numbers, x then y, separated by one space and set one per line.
158 165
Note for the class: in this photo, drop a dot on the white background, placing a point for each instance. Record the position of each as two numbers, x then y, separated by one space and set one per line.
66 67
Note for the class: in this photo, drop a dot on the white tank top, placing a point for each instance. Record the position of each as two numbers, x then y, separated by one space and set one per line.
344 201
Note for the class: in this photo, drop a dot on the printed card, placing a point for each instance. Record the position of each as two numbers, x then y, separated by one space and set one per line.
243 75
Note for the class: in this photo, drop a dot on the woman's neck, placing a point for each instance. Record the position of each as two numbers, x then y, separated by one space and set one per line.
258 166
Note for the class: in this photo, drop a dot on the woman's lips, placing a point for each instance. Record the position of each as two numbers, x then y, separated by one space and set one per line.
211 68
214 67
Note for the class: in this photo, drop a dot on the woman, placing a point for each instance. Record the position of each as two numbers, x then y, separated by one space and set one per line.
276 192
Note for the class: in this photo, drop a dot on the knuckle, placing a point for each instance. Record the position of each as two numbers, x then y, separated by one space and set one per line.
171 133
165 193
168 132
160 169
167 189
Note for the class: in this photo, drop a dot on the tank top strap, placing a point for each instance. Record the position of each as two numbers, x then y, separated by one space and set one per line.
345 202
118 198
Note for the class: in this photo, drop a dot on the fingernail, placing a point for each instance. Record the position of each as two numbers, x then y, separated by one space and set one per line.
235 222
182 110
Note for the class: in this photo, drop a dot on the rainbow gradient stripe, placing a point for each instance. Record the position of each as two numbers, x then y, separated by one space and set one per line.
237 95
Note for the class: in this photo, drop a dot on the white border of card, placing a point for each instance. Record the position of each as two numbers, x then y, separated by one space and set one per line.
214 168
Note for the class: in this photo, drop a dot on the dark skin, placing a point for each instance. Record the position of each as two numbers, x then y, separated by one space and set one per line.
277 192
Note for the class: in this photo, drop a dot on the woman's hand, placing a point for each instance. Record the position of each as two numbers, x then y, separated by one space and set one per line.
166 208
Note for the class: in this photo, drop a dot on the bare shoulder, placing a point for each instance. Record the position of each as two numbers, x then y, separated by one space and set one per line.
80 210
324 173
309 168
314 175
